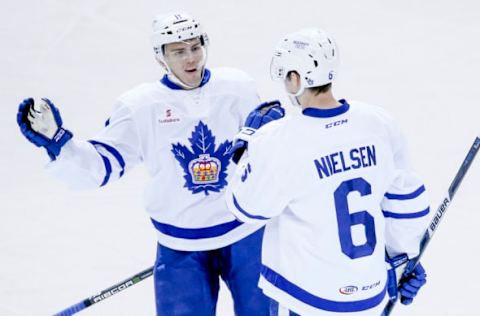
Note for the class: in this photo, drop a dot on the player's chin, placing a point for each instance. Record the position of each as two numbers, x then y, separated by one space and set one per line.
193 77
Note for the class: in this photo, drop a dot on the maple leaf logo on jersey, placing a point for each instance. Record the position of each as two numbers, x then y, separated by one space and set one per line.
204 166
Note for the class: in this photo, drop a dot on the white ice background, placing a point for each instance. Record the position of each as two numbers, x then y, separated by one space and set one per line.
418 59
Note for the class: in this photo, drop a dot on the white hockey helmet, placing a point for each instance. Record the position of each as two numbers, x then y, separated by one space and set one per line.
311 52
175 27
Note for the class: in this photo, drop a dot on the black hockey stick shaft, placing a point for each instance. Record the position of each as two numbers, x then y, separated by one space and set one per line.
106 293
441 210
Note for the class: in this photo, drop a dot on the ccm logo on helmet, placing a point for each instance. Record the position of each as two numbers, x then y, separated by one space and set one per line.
186 28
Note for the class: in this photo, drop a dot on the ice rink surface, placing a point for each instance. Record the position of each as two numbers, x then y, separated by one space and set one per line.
418 59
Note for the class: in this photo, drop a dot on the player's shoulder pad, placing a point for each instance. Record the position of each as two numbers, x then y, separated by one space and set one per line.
232 82
371 110
275 129
228 74
142 96
270 139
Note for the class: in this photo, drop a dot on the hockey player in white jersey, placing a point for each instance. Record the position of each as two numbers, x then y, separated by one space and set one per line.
182 128
335 188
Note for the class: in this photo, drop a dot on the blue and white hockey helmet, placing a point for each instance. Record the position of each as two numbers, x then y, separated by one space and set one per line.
311 52
175 27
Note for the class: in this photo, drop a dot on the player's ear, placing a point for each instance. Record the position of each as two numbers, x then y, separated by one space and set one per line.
292 82
295 78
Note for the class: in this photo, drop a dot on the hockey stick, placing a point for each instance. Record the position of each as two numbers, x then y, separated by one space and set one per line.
106 293
441 210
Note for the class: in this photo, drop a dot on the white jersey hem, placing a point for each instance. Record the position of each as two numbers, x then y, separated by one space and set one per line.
211 243
301 308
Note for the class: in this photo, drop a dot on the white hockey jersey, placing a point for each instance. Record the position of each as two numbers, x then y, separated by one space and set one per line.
336 189
183 137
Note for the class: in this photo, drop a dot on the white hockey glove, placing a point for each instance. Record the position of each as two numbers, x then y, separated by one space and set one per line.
41 124
41 119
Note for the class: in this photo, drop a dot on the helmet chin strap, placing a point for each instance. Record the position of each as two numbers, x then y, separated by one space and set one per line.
177 80
294 100
182 84
294 96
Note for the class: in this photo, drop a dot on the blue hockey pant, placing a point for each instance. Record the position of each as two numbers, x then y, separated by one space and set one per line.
187 282
278 310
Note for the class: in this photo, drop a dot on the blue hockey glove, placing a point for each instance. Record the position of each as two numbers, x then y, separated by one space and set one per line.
261 115
408 285
264 113
42 124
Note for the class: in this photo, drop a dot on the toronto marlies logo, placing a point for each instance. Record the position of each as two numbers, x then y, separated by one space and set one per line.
204 166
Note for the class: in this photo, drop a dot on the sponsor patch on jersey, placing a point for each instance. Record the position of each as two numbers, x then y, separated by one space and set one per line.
348 290
204 166
168 117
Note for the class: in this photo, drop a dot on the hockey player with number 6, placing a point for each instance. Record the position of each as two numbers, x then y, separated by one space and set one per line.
336 190
181 127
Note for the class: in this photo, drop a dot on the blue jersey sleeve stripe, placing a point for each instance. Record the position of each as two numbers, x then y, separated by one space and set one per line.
406 215
196 233
241 210
408 196
114 153
321 303
108 169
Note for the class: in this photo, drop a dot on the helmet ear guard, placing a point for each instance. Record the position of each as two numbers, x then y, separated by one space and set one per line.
204 39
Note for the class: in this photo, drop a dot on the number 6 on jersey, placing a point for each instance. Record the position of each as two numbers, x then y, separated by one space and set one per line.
345 220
